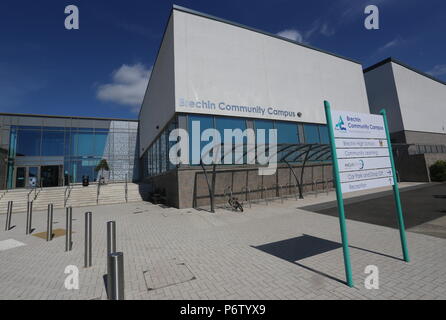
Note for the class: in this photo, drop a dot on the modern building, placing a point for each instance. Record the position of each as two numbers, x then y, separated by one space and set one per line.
58 150
227 76
416 107
213 73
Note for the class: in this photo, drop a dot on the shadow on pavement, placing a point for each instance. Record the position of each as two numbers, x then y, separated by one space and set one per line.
305 246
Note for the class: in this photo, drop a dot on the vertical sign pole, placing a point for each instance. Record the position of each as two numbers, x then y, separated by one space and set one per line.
396 192
347 264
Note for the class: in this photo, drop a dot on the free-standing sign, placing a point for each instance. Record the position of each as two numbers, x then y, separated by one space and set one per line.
362 159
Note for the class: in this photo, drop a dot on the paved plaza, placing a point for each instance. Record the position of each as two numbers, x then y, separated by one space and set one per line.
274 251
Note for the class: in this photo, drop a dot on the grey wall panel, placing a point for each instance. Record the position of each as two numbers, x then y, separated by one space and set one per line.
382 94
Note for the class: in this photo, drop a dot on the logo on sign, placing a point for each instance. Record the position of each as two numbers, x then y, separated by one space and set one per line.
340 126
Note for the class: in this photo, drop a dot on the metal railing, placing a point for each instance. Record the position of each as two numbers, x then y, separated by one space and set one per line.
98 192
35 194
3 194
126 190
67 194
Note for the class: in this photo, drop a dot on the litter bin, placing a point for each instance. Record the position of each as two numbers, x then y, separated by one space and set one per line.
85 181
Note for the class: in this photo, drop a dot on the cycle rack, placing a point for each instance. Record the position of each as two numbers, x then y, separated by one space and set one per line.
290 186
247 195
279 191
227 194
325 186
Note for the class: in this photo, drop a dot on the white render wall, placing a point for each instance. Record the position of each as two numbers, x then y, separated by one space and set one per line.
223 63
158 106
201 59
422 101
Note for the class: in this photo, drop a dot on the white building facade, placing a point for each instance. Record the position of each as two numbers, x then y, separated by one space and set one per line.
227 76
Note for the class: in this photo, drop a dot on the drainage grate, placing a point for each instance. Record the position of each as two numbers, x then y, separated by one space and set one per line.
166 274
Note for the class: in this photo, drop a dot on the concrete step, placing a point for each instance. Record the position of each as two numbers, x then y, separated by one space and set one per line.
78 196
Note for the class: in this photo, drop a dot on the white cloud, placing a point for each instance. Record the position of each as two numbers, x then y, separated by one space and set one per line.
292 34
391 44
438 70
326 30
128 86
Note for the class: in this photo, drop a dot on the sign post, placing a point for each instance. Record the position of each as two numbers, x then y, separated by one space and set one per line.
340 200
396 193
362 159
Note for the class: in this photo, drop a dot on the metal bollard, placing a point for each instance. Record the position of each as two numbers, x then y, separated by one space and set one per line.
29 217
88 243
8 216
69 228
111 237
116 275
49 225
111 248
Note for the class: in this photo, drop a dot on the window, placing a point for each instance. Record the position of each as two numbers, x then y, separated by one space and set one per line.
52 143
100 143
311 133
223 123
205 122
28 143
287 132
82 144
263 125
323 133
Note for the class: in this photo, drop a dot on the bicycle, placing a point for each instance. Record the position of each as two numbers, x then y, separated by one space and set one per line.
235 204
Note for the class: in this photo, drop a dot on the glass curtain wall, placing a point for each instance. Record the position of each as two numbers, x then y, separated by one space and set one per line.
156 158
78 150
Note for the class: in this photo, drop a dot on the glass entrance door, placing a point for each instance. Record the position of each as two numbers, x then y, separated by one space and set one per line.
49 176
20 177
33 173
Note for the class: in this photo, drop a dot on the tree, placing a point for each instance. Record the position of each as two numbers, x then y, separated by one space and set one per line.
438 171
102 165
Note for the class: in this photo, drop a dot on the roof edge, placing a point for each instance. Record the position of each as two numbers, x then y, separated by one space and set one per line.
63 117
391 59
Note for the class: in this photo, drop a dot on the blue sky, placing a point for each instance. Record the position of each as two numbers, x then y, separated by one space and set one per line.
101 69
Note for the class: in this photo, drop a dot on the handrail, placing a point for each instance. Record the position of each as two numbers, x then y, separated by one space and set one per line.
67 194
30 191
98 192
126 189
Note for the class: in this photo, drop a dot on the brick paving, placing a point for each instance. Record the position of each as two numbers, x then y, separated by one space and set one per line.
193 254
